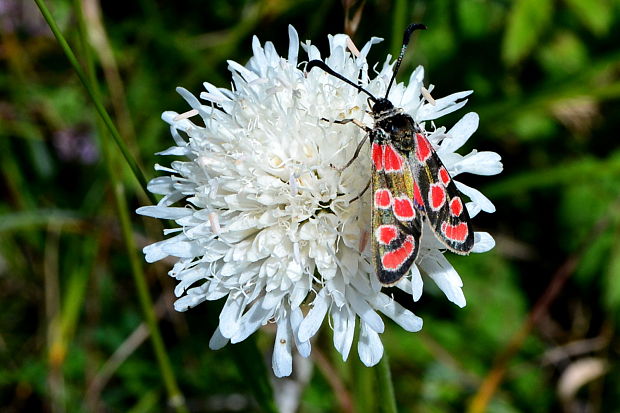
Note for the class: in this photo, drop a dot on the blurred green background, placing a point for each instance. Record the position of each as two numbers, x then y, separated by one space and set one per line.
539 331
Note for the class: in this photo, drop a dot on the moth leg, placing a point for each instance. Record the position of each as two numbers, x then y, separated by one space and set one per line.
359 146
345 121
361 193
355 155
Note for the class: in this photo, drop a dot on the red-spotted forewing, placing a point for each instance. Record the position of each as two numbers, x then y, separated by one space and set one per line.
409 184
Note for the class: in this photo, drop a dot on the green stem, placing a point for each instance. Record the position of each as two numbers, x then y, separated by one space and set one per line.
105 117
386 387
175 397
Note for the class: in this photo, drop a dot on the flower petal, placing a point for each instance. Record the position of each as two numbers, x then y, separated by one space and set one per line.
282 358
479 163
344 329
445 276
416 283
303 347
476 196
460 133
361 307
369 346
229 316
403 317
255 317
293 45
217 340
164 212
314 318
483 242
442 106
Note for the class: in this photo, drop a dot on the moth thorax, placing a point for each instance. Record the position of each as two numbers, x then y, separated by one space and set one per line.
401 129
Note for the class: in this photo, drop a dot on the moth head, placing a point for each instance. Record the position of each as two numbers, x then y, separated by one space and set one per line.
382 105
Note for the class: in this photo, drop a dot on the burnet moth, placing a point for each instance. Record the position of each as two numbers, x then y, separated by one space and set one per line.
409 184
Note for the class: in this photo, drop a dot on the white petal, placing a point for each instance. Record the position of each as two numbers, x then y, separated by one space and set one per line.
364 51
259 60
300 292
189 277
460 133
344 330
369 346
162 185
189 97
312 51
271 54
214 93
445 276
161 249
247 75
272 298
442 106
296 318
363 285
164 212
282 359
336 287
365 311
476 196
169 116
217 341
183 249
229 316
416 283
314 318
175 151
193 297
483 242
473 209
255 317
293 45
480 163
403 317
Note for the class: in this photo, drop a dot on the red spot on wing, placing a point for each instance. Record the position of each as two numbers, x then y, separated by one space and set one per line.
392 161
385 234
436 196
393 260
444 176
423 148
377 156
403 208
456 206
383 198
456 233
417 195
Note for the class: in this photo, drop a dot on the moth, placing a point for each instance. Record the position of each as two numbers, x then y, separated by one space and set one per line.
409 184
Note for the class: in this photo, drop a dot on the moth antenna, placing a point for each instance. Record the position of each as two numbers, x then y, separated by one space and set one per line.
321 65
408 31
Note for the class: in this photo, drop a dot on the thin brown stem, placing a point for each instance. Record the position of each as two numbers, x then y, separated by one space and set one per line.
497 373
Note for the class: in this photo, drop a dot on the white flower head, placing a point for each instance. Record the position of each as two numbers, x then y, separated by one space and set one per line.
267 222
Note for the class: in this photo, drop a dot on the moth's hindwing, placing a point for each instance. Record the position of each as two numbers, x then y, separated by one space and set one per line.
396 221
443 205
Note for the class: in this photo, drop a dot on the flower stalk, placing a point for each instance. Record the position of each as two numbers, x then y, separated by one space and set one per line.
90 89
387 397
175 397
